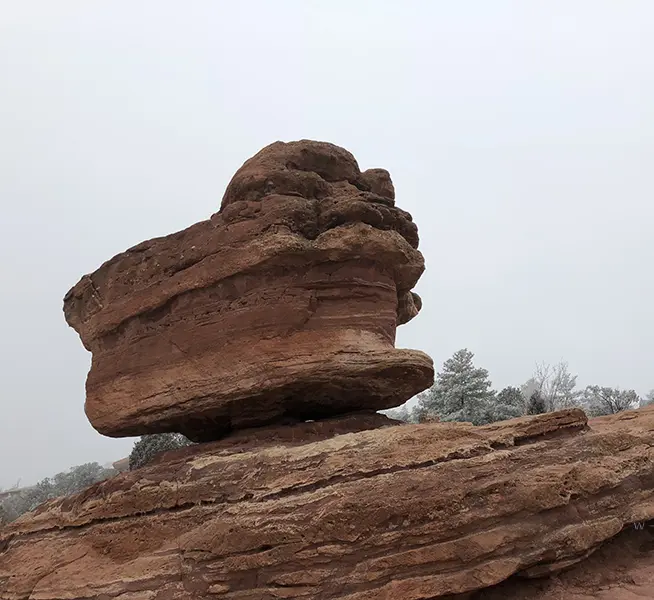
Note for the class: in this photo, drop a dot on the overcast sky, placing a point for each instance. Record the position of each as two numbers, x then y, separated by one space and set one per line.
519 134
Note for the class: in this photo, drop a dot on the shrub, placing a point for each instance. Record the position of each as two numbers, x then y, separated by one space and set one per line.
148 446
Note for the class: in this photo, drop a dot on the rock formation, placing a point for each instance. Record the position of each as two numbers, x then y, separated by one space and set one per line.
269 330
408 512
283 305
622 569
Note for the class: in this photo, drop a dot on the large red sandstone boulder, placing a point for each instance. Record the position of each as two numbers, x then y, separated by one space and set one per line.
410 512
283 304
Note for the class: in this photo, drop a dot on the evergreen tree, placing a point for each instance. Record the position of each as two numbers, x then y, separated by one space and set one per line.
462 392
528 388
507 404
536 404
148 446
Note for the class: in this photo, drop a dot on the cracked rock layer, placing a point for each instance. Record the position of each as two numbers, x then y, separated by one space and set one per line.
413 512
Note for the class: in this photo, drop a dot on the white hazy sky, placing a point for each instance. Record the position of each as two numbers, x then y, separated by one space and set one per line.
519 134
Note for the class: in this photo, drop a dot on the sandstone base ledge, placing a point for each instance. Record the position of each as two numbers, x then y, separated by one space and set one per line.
402 512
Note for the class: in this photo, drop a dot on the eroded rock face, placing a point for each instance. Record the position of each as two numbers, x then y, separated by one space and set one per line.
622 569
409 512
283 304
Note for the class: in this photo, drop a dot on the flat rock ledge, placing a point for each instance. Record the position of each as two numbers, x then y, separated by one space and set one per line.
407 512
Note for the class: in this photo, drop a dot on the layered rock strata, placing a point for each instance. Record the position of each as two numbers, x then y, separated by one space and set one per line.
283 305
622 569
409 512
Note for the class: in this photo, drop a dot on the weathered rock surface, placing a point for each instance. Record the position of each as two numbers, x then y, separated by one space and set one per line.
405 512
622 569
283 304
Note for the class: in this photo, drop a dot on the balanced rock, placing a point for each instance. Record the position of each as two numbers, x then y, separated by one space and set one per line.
283 304
410 512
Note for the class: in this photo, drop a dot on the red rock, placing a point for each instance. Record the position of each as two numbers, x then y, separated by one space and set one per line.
622 569
287 434
409 512
283 304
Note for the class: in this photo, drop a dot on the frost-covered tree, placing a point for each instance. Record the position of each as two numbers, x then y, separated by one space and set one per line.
462 392
608 401
148 446
507 404
557 386
532 398
648 399
78 478
536 404
401 413
528 388
62 484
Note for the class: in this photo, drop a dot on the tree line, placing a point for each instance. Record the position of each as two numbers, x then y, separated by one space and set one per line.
17 501
463 392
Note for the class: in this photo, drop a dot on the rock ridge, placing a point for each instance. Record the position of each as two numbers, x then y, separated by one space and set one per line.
408 511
